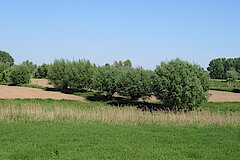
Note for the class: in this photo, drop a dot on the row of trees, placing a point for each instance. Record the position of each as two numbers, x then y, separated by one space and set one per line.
177 83
19 74
36 71
224 68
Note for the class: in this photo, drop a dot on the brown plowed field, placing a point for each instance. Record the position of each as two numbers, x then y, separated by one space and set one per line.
41 82
220 96
13 92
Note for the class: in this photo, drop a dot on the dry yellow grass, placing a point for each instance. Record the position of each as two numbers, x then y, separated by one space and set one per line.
36 112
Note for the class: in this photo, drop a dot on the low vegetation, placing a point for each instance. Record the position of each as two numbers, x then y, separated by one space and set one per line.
53 110
223 85
96 140
62 129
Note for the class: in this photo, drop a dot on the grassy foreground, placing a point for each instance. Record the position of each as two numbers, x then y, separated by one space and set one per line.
79 140
51 129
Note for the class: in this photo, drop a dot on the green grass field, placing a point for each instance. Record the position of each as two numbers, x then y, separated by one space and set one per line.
222 85
63 129
96 140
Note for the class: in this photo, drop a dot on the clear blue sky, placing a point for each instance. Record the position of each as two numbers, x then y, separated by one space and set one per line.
145 31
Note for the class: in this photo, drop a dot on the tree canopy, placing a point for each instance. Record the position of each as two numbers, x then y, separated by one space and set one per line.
219 67
180 84
6 58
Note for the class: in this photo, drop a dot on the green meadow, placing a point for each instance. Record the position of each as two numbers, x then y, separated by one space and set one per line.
61 129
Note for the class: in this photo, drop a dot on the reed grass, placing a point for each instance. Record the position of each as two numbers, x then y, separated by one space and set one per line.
39 112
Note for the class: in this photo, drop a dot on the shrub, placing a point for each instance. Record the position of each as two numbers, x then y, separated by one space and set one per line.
76 75
41 71
32 67
5 76
6 58
134 82
180 84
232 75
20 74
105 80
81 74
58 74
3 66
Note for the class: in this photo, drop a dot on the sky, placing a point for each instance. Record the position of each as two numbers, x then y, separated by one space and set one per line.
144 31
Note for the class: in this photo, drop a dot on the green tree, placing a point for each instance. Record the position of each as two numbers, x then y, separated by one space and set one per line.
216 69
41 71
5 75
232 75
81 74
134 82
105 80
119 64
58 74
32 67
6 58
3 66
20 74
76 75
181 84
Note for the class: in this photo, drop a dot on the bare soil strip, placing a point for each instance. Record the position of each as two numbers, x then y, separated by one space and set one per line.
41 82
220 96
13 92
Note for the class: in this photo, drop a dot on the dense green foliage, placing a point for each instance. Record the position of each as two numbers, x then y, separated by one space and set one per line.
93 140
75 75
31 67
122 78
134 82
58 74
41 71
180 84
105 79
232 75
126 63
20 74
3 66
219 67
6 58
5 76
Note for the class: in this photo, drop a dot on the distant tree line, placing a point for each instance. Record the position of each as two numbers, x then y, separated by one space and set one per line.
224 68
19 74
179 84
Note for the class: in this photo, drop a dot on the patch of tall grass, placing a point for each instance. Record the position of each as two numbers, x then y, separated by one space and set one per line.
29 111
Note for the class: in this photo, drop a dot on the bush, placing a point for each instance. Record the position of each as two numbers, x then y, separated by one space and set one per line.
180 84
66 74
3 66
81 74
41 71
58 74
6 58
5 76
134 82
105 80
20 74
32 67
